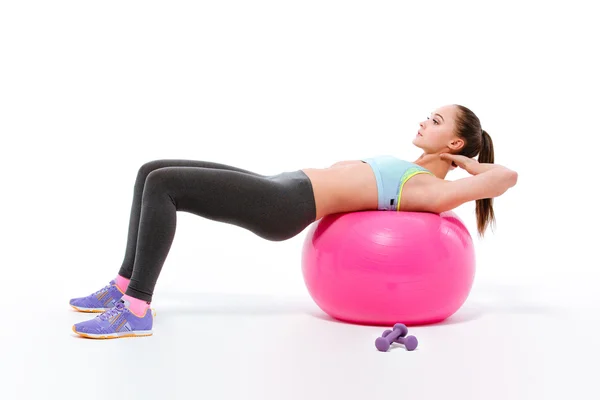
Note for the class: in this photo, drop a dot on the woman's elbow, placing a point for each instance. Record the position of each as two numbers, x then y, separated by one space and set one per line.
511 177
514 176
507 180
504 179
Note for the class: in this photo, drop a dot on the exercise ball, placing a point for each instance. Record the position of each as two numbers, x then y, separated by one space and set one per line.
387 267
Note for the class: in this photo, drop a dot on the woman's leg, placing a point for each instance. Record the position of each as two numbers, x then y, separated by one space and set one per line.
134 220
273 207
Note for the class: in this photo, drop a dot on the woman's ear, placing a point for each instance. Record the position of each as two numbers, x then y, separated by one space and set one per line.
456 145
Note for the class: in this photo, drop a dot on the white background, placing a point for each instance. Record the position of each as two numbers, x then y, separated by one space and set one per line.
89 91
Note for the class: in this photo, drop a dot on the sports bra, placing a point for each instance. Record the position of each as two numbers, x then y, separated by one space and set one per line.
391 174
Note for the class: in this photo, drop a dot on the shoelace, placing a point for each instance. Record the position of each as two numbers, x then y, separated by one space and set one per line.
118 308
104 289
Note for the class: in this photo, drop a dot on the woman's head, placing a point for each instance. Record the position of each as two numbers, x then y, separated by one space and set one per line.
438 133
456 129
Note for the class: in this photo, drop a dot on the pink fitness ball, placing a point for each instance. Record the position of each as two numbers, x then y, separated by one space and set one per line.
385 267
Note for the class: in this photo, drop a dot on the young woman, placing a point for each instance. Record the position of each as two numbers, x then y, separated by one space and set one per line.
279 207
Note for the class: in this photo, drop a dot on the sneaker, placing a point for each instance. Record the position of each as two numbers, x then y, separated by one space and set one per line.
101 301
117 322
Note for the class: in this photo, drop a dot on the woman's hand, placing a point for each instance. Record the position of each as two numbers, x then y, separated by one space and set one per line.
463 162
471 165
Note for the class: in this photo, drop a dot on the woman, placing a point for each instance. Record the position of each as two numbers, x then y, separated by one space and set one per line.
279 207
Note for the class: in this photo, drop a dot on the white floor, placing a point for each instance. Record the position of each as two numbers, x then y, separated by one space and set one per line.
498 346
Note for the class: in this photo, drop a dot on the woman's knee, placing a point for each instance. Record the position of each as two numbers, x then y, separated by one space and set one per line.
150 166
161 177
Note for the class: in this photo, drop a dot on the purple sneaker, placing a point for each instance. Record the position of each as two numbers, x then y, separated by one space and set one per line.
117 322
101 301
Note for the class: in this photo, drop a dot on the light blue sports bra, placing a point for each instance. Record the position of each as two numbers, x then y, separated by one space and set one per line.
391 174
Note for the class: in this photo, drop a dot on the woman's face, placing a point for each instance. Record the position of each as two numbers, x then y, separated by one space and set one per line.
436 133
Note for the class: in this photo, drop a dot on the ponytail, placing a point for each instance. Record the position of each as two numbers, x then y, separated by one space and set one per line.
484 207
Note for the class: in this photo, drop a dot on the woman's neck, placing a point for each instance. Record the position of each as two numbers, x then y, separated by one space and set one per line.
434 164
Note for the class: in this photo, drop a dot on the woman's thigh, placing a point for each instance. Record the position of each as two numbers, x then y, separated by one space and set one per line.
275 207
156 164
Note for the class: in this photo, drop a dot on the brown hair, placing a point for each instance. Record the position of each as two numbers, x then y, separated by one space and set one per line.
477 141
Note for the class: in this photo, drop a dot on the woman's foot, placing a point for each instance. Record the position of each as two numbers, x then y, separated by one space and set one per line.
117 322
100 301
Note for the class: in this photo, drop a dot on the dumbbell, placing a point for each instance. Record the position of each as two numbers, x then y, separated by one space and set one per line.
397 335
410 342
384 342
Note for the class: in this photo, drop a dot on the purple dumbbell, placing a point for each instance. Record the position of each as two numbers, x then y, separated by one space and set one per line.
384 342
410 342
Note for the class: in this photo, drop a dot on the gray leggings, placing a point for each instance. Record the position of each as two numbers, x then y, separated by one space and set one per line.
276 208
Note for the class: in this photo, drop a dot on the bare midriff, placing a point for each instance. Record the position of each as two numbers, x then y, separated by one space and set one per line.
343 188
353 187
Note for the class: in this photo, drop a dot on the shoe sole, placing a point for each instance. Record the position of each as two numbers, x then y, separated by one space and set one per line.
90 310
101 310
116 335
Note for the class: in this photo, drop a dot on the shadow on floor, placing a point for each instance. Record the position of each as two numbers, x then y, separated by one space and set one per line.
503 300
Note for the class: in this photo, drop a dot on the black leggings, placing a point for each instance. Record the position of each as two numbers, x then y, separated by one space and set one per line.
276 208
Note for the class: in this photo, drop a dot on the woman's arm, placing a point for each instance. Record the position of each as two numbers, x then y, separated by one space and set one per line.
470 165
484 185
477 168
